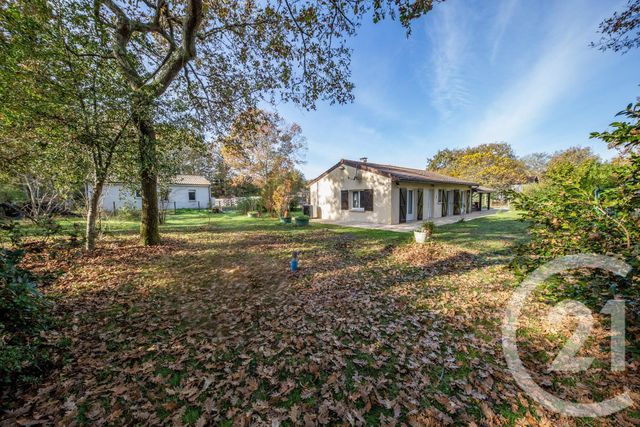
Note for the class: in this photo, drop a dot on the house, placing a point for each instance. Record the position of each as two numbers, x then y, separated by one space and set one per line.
184 191
362 191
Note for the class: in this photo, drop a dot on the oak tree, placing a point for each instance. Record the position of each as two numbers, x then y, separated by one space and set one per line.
226 56
494 165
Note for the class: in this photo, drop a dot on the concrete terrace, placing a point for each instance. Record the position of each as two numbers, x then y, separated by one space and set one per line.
410 226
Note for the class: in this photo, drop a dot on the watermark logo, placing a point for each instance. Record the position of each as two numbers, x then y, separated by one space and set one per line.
566 361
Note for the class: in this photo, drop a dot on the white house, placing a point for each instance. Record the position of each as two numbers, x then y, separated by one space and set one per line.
185 191
362 191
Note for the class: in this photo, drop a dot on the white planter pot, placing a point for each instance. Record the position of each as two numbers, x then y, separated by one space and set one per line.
420 236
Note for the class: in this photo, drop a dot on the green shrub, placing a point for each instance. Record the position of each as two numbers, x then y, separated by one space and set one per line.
23 315
577 209
10 231
302 217
427 227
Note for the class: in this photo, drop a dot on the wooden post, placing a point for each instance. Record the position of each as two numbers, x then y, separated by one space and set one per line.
114 207
198 204
488 201
175 211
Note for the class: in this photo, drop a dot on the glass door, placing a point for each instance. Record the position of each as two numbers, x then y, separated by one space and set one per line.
409 205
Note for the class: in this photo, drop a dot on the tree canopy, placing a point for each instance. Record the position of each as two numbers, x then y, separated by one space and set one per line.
223 58
494 165
536 164
571 155
267 150
621 31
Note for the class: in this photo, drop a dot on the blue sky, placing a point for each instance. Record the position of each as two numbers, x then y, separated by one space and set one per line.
475 72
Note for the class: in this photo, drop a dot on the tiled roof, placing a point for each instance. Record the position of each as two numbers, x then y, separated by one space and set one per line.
401 173
190 180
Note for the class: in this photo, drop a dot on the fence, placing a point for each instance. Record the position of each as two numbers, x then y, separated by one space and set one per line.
232 202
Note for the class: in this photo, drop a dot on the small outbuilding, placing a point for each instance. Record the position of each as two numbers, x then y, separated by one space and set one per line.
183 192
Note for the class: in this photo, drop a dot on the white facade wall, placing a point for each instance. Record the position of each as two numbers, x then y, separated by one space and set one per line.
180 195
326 203
118 196
325 195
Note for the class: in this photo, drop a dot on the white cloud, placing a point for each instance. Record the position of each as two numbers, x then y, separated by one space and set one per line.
502 19
448 45
563 63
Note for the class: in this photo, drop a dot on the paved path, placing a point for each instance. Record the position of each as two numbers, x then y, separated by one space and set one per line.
410 226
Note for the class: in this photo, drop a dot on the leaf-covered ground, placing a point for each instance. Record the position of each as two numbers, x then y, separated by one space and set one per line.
212 329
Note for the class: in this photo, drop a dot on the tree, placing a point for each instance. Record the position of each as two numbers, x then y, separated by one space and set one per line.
66 101
621 32
285 187
443 160
262 147
494 165
536 164
573 155
226 56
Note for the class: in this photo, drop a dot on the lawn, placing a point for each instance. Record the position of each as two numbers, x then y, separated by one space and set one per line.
212 328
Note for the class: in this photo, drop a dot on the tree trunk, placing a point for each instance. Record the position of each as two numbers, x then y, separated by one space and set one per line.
92 214
149 230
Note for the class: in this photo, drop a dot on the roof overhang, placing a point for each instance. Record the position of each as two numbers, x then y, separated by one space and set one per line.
365 167
436 182
484 190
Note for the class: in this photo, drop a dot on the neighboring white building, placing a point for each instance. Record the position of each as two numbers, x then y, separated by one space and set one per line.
362 191
185 191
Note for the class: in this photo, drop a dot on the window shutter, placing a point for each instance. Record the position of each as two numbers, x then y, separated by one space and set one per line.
367 204
344 200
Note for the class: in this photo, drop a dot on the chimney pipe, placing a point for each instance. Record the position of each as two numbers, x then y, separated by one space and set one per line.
363 159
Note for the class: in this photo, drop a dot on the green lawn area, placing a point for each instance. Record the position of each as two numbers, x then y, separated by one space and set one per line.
487 234
212 328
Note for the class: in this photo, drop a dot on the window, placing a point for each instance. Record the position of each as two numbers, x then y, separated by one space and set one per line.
137 194
192 195
440 195
355 200
410 202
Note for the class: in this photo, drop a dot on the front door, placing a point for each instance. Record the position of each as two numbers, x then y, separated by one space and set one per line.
410 209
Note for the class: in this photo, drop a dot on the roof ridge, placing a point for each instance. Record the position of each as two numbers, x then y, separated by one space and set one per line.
400 167
400 173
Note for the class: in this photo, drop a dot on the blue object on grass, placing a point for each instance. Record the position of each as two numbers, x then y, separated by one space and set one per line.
294 262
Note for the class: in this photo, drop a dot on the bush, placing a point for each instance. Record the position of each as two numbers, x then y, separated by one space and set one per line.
302 217
577 209
427 227
11 231
23 315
